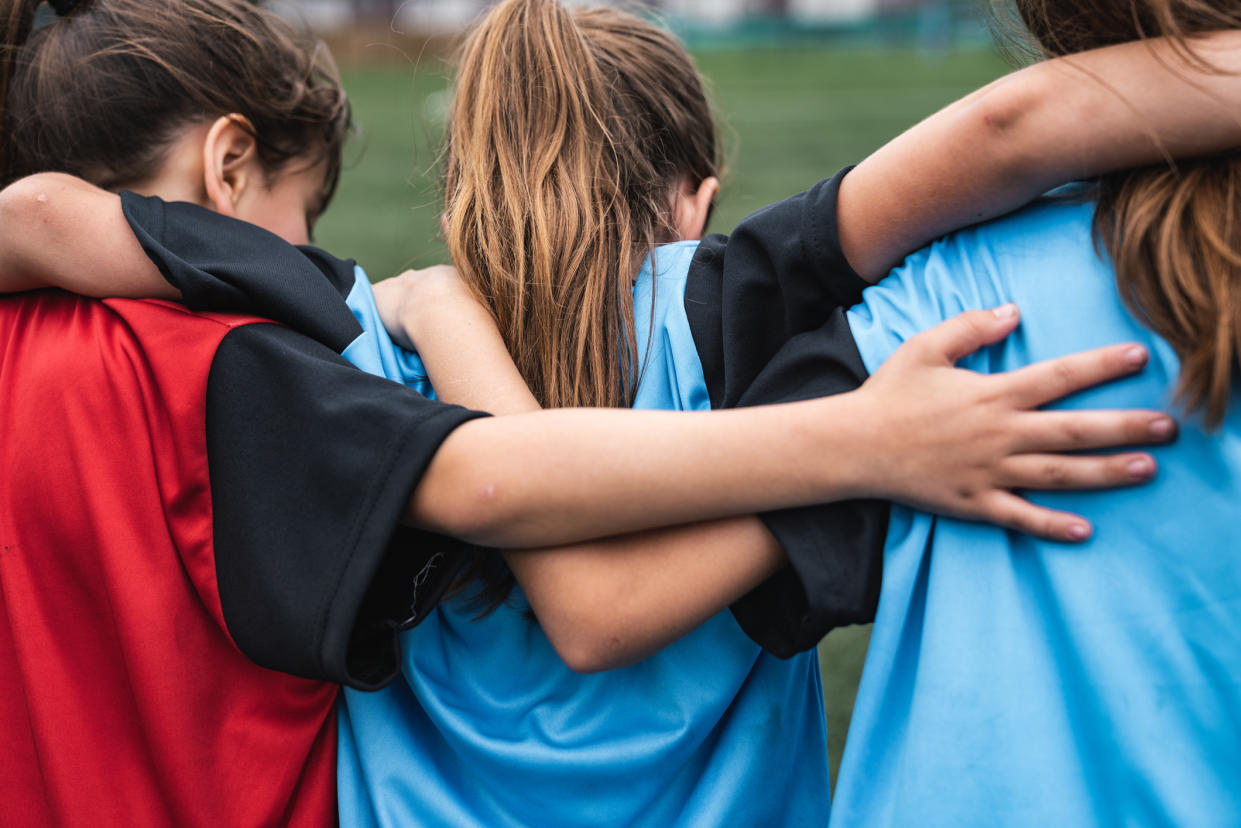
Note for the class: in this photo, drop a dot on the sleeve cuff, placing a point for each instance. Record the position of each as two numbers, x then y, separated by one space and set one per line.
833 579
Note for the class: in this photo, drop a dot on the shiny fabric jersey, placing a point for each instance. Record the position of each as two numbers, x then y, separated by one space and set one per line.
490 728
123 699
1016 682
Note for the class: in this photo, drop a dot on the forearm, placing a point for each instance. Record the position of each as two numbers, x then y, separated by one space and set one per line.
562 476
610 603
59 231
919 431
1058 121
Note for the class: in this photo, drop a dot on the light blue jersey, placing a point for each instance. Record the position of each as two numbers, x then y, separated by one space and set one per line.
1016 682
490 728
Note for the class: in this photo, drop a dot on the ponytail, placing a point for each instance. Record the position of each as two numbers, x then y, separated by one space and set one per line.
568 133
539 219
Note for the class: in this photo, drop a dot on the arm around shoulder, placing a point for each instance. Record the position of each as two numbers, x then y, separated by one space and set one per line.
59 231
1058 121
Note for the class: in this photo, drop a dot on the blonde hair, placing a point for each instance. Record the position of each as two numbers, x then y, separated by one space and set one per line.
1174 234
568 134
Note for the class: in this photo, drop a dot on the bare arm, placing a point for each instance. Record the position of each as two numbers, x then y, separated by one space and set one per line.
608 603
1058 121
919 431
603 604
59 231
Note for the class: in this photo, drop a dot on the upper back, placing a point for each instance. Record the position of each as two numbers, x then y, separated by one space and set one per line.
1043 683
500 731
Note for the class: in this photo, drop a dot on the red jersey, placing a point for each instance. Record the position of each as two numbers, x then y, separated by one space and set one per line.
131 608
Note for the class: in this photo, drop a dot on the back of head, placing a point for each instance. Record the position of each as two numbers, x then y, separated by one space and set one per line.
568 135
102 89
1174 234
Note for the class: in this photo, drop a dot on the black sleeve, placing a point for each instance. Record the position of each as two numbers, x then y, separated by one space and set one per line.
311 464
765 308
225 265
835 550
779 274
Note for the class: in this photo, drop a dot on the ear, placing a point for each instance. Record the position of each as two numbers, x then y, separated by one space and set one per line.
230 163
693 206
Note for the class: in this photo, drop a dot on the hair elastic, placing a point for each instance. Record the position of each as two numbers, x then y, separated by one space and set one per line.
64 7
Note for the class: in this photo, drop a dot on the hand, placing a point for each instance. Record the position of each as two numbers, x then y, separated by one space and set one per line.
957 443
407 301
434 312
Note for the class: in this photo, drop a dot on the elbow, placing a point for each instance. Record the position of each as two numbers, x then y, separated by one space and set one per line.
25 201
590 650
1006 115
33 195
468 510
33 208
591 633
461 495
25 205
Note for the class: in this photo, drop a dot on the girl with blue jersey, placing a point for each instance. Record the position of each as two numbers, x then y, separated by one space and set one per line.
491 727
1008 682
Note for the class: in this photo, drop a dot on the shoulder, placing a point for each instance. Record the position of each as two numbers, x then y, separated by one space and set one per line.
671 374
1042 255
1049 225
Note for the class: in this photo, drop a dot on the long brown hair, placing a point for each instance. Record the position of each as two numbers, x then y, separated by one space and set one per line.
102 91
568 134
1174 233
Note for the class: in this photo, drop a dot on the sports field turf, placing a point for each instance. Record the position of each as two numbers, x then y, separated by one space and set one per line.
791 116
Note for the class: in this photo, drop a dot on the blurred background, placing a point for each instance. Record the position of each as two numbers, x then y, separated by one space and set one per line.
801 87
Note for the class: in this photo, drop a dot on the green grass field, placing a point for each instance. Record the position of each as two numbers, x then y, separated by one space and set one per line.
791 117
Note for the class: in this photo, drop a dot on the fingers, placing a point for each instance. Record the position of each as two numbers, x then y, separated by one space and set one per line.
1048 431
1011 512
949 341
1043 382
1058 471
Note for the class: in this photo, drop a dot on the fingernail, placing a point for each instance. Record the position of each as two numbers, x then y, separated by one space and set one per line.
1163 428
1136 356
1078 531
1006 311
1141 468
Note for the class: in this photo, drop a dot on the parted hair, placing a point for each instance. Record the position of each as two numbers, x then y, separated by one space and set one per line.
1174 233
568 133
102 91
